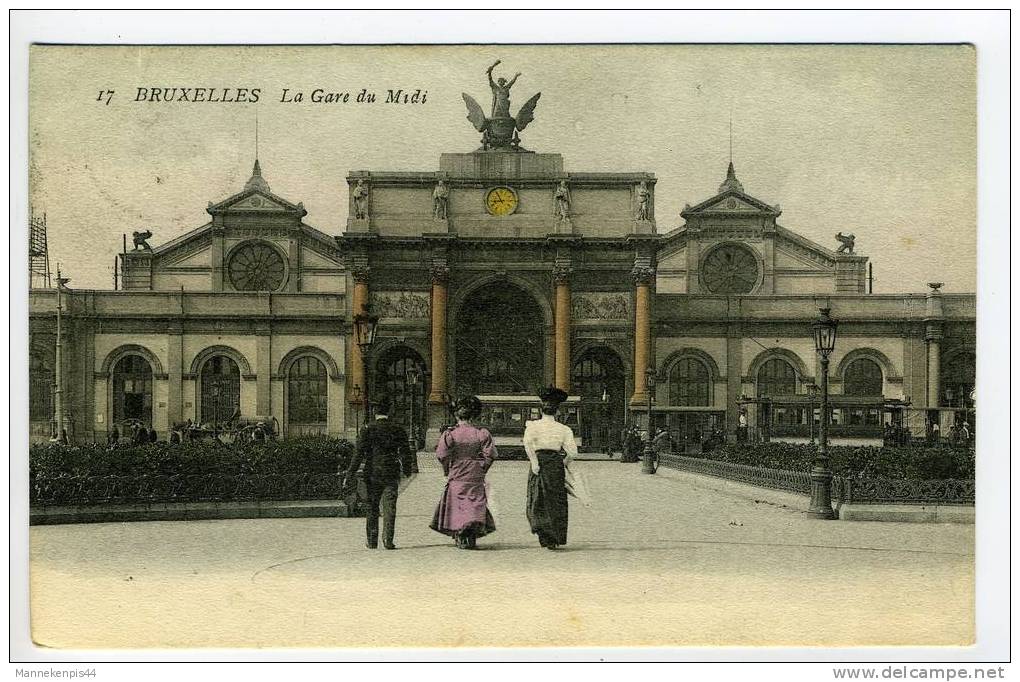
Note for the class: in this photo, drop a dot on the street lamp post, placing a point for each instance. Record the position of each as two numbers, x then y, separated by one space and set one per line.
824 329
365 327
648 463
812 390
413 375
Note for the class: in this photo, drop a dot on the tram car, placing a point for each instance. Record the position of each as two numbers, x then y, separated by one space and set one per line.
505 416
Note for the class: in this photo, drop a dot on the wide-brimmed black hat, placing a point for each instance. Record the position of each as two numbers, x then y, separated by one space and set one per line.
552 395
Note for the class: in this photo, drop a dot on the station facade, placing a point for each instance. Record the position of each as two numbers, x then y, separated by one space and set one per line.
494 273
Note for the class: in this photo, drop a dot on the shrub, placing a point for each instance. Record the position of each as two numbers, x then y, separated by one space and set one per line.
197 470
906 463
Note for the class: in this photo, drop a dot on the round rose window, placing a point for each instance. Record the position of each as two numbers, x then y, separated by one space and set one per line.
730 269
256 267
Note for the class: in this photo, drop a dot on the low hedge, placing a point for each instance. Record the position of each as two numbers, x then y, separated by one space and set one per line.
297 468
909 463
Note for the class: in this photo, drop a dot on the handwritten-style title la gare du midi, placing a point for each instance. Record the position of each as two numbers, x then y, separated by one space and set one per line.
287 95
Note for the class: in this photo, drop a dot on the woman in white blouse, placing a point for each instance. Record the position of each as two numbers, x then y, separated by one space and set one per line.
550 447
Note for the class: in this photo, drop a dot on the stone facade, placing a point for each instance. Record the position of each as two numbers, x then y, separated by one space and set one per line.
525 275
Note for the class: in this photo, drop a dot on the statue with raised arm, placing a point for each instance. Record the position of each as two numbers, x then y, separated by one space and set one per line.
141 240
499 130
500 92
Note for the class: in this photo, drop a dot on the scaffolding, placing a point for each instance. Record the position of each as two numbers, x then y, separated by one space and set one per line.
38 252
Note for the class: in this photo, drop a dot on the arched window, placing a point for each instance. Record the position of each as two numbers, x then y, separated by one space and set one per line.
689 383
221 390
590 377
307 396
391 379
41 378
132 389
863 377
776 377
958 380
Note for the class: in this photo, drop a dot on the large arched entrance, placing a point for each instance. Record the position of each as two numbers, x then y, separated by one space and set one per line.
598 378
499 342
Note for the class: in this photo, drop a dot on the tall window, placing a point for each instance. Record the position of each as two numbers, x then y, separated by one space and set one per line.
221 390
40 384
689 384
391 380
958 380
132 389
307 396
590 378
776 377
862 377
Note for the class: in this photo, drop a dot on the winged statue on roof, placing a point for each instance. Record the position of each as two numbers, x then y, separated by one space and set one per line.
500 130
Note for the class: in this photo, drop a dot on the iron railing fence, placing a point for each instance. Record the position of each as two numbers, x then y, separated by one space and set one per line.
845 489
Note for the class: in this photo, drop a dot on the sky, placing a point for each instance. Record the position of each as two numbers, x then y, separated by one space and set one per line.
879 141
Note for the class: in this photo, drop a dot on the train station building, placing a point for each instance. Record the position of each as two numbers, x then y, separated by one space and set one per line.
495 272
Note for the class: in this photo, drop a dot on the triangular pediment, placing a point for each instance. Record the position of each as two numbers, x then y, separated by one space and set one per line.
311 258
257 201
194 255
793 251
731 202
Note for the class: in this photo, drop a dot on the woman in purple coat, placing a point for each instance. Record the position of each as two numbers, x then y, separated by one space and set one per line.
466 453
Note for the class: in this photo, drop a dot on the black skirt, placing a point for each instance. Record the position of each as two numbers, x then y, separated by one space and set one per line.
547 499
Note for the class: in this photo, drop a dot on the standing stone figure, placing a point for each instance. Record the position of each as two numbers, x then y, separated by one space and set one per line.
643 197
562 197
500 93
360 195
440 201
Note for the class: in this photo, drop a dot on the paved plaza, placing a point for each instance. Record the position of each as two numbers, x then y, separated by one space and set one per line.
654 560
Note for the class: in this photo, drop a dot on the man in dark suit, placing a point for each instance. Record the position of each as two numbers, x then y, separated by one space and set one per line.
383 450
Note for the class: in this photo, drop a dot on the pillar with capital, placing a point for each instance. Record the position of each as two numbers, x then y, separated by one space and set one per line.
440 275
643 276
561 275
934 317
358 302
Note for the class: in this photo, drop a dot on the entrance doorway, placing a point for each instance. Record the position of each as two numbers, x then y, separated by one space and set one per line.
598 379
499 342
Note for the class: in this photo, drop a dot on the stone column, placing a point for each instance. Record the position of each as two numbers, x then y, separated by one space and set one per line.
356 377
642 332
561 276
263 371
934 315
175 372
734 385
934 339
440 275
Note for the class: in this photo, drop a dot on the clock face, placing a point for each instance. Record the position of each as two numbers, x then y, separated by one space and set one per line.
501 201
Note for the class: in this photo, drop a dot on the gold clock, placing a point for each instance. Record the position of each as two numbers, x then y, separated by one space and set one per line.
501 201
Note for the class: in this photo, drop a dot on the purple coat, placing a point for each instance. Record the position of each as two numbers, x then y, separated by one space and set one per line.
466 453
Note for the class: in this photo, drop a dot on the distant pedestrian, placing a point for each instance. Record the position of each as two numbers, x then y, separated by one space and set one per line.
662 443
965 433
153 436
175 438
113 436
383 449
